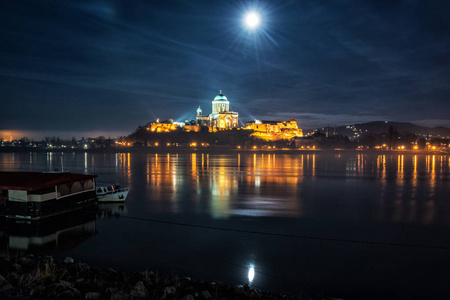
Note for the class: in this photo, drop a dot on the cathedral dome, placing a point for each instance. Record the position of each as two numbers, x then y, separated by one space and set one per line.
220 97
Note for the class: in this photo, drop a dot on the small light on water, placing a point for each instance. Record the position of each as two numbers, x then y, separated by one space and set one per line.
251 274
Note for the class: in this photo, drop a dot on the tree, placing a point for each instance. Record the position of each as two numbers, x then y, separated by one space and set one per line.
73 141
422 143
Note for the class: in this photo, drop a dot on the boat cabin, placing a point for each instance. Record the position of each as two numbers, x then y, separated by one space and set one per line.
33 195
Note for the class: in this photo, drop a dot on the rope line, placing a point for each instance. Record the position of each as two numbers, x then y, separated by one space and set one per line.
306 237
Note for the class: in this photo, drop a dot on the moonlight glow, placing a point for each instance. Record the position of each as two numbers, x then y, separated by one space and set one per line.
251 274
252 20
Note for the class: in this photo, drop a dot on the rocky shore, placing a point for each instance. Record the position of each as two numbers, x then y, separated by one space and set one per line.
30 277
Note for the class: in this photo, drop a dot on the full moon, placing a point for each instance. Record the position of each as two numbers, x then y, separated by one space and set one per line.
252 20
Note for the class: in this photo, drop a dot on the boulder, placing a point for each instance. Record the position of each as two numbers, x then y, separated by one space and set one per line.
169 290
12 277
3 280
205 295
25 261
65 284
92 296
16 268
118 296
4 258
7 290
67 294
111 290
37 291
139 291
68 260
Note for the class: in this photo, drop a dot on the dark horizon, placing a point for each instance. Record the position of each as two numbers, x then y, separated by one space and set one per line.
108 67
67 135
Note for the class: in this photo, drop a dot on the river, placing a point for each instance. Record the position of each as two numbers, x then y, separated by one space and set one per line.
349 225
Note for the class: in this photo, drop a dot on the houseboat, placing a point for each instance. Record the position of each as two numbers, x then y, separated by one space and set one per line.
33 196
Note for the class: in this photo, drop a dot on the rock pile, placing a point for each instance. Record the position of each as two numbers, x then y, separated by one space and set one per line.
29 277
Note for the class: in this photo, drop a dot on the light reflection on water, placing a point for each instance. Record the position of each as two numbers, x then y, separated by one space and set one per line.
387 187
353 196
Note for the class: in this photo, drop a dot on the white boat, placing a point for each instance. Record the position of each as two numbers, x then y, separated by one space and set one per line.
111 193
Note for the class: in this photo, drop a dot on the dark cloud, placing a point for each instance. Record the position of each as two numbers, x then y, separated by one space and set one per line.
112 65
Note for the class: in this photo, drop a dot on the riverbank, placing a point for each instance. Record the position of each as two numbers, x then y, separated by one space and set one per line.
29 277
219 150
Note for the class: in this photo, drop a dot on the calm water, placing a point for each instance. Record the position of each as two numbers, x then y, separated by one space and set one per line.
378 199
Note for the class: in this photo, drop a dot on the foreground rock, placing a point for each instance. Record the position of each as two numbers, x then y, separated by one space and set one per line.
28 277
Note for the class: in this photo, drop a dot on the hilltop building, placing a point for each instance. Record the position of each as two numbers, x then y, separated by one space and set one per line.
221 117
201 119
164 126
274 130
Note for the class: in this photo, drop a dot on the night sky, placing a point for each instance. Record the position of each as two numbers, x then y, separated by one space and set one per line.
79 67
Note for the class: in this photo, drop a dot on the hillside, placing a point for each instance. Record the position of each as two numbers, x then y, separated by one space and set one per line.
379 127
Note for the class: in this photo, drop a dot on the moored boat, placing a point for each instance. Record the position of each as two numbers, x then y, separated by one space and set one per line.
111 193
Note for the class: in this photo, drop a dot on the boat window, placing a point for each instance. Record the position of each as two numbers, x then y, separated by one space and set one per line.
89 184
77 187
63 190
99 190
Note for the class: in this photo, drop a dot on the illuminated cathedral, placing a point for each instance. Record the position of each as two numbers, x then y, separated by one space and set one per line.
221 116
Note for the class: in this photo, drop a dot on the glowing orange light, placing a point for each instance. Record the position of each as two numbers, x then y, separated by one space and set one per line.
156 144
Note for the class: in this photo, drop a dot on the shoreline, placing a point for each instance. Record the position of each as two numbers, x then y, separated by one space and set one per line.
222 150
24 276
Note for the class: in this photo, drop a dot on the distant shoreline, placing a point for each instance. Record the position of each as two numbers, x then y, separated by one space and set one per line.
219 150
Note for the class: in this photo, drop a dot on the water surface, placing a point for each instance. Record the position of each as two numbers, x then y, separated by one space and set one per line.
345 225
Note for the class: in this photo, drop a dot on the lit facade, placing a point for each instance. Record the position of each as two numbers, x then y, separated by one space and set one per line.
164 126
274 130
221 117
201 119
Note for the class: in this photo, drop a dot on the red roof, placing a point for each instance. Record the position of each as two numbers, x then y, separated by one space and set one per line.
32 181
